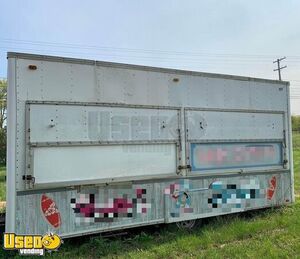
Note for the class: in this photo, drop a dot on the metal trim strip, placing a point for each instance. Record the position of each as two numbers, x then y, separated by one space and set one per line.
138 67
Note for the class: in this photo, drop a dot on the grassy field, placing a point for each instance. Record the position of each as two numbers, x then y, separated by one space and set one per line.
296 141
272 233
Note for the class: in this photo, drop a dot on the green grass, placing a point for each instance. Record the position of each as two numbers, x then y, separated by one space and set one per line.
296 140
271 233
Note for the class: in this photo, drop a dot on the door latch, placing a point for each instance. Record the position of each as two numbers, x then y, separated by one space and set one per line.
182 167
30 180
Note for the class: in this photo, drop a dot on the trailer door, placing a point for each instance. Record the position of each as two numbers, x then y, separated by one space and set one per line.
220 141
74 143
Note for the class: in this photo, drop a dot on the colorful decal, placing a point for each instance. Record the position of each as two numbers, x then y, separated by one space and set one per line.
180 198
272 188
93 207
235 196
50 211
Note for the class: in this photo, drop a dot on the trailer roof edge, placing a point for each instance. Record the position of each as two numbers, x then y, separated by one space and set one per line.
139 67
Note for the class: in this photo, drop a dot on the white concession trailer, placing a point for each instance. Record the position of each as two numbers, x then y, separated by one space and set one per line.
96 146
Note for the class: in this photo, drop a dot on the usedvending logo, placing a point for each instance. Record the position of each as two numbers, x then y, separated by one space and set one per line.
31 244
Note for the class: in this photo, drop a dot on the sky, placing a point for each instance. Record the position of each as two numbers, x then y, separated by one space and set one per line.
220 36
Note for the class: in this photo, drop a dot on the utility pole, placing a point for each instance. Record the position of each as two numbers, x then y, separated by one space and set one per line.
278 66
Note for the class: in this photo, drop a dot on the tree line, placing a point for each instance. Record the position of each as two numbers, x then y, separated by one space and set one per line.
3 93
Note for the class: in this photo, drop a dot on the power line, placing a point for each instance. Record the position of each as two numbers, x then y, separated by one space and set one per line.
210 60
44 43
229 59
227 62
81 46
211 64
279 68
189 58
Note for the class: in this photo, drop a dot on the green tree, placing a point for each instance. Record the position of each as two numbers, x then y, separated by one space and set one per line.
3 102
3 95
